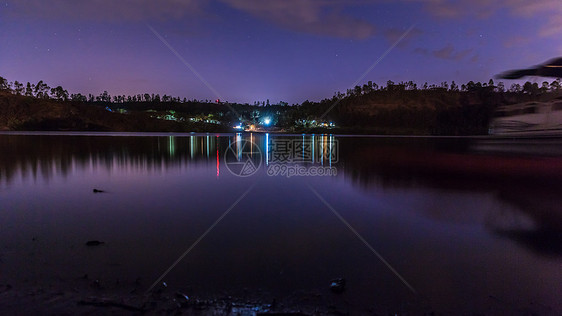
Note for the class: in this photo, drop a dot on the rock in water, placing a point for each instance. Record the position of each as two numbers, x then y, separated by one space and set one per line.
182 299
94 243
98 191
337 285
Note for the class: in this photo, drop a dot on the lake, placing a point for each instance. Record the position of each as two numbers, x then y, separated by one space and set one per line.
419 225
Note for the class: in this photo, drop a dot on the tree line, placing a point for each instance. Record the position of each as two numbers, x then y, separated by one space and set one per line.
43 91
532 88
403 107
406 108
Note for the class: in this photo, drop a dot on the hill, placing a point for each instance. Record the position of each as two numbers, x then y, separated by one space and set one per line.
18 113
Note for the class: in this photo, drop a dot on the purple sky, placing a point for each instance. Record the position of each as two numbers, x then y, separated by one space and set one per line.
282 50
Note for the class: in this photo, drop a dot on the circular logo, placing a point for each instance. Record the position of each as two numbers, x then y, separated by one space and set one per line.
243 158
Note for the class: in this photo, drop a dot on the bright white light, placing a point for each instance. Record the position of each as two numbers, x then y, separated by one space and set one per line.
267 121
238 127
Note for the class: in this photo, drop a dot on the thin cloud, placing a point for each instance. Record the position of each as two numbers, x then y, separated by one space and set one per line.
393 34
443 9
553 27
325 17
421 51
308 16
104 10
321 17
448 53
550 11
516 41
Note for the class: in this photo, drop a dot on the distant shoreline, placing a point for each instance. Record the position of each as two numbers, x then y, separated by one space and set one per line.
396 109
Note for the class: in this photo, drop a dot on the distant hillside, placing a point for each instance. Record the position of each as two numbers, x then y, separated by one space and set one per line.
29 113
406 109
436 112
395 108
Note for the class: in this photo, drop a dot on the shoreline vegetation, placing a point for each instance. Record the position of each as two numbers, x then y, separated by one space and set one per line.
393 109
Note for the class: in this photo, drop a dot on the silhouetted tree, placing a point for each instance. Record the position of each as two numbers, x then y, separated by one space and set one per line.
454 86
105 97
78 97
500 87
390 85
515 87
3 84
59 93
555 85
531 88
29 89
41 90
544 87
18 87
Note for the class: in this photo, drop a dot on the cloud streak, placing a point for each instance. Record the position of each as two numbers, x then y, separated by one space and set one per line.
104 10
393 34
549 11
319 17
309 16
447 53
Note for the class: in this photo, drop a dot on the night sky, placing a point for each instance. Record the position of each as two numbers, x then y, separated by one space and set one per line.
249 50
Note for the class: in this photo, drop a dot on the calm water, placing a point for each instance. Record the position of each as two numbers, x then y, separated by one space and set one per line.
468 225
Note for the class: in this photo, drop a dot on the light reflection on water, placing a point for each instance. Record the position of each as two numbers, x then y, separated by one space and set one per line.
460 226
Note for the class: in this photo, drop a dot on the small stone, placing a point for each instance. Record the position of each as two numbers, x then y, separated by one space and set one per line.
96 284
337 285
94 243
183 299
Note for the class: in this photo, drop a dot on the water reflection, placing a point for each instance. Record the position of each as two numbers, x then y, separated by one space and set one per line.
530 184
542 204
415 199
47 156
